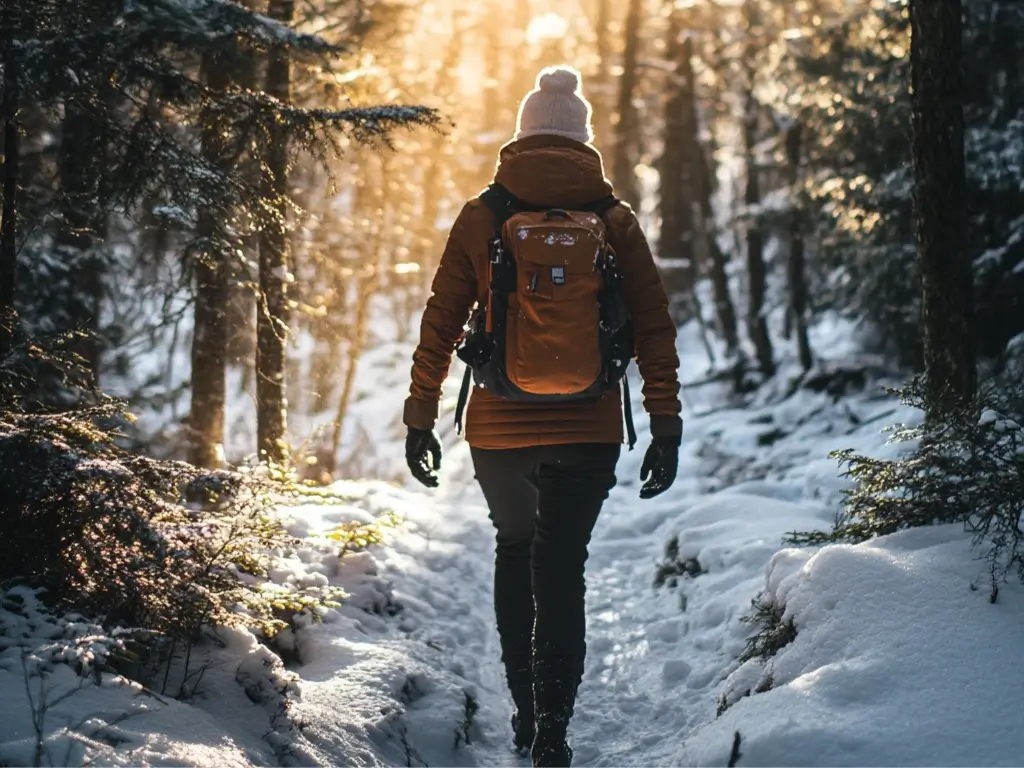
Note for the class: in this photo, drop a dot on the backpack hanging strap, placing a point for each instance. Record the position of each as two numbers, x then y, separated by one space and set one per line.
627 406
460 408
601 208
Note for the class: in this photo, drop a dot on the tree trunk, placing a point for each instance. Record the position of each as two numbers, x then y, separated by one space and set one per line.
624 161
355 353
210 328
492 96
12 149
676 239
601 89
81 231
940 205
796 271
757 325
430 242
272 313
521 67
725 308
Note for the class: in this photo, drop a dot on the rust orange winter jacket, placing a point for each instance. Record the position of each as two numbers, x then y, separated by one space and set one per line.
545 170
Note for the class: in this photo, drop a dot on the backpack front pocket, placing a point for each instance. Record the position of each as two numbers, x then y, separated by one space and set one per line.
553 333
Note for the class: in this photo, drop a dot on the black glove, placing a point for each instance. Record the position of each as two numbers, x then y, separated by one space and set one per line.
419 444
660 464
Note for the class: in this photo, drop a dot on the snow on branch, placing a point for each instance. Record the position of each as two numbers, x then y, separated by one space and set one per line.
201 22
310 127
366 124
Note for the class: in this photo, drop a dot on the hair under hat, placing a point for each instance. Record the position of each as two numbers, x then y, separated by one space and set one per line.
556 107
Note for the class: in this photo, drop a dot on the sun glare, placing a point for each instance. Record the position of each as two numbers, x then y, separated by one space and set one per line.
549 26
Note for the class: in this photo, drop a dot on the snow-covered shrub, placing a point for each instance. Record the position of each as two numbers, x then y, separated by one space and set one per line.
137 542
675 566
774 631
967 470
357 535
27 626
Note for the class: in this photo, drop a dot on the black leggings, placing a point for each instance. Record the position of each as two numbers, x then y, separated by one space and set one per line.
544 502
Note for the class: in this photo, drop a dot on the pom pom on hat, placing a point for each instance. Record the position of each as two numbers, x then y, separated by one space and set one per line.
559 80
556 107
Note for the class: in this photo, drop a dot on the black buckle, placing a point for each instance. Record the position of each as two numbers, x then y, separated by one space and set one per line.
496 250
476 350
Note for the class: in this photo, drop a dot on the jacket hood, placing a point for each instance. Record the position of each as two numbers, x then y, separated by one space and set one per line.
552 171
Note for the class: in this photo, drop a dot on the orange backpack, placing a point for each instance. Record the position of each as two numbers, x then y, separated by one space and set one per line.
554 327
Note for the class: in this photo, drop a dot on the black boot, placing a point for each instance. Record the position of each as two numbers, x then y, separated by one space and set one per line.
550 748
556 679
523 726
524 730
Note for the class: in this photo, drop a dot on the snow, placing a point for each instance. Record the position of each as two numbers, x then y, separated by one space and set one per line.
53 716
213 20
899 657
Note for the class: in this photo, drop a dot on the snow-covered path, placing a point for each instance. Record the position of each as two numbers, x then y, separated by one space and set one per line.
656 656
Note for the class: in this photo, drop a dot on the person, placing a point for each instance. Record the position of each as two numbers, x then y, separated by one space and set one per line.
545 468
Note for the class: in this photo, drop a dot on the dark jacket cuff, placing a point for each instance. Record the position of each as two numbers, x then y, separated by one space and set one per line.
420 414
664 427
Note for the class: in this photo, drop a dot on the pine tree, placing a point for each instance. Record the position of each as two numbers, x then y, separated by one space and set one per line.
153 85
81 232
82 258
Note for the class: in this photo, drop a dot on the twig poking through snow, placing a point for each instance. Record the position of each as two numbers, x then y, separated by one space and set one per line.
462 730
734 753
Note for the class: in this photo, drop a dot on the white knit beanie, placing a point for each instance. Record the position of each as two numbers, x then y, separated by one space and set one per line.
556 107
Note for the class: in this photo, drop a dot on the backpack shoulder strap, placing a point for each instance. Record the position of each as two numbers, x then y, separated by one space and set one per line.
602 206
501 203
504 205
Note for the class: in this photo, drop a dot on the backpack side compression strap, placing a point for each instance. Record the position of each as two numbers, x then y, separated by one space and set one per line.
503 205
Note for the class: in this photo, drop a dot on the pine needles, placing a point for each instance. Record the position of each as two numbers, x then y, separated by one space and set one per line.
967 470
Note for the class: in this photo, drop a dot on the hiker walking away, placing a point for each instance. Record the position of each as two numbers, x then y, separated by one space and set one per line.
560 290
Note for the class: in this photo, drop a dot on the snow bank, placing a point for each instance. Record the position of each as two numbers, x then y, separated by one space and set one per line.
899 659
404 672
60 705
228 700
